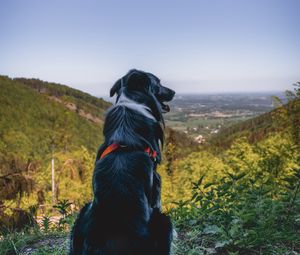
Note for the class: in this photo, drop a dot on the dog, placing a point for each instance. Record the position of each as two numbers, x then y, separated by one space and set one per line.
125 216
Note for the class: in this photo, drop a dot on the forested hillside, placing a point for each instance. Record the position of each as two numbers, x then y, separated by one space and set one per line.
40 121
259 128
44 121
84 104
241 194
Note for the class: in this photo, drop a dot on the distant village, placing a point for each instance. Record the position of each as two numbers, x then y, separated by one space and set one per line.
201 116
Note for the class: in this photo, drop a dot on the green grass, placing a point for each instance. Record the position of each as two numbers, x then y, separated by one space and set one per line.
47 237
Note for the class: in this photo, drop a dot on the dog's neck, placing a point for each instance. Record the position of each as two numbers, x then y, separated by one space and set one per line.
132 124
141 108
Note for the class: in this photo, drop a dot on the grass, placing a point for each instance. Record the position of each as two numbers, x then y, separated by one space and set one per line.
193 243
47 237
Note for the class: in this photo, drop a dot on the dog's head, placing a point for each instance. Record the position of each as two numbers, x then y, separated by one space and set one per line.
144 88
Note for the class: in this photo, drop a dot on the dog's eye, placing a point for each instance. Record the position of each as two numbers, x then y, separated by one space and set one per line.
156 90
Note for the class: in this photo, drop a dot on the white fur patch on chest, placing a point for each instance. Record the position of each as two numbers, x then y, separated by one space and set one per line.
143 109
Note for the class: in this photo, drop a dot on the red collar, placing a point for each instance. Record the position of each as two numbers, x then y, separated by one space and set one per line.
114 146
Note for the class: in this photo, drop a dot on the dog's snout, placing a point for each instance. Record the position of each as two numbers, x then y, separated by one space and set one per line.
173 93
168 94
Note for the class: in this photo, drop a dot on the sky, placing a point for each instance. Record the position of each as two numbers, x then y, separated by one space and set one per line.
193 46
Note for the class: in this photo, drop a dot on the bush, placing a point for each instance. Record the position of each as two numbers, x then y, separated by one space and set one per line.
252 209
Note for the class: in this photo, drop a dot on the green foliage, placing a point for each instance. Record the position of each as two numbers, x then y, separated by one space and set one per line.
46 222
63 207
33 129
243 200
253 207
66 219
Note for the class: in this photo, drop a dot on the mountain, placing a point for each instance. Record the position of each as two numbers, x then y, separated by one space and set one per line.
36 115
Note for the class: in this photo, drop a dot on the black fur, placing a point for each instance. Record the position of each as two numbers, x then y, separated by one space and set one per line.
125 215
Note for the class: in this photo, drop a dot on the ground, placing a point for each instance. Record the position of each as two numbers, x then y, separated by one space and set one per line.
51 245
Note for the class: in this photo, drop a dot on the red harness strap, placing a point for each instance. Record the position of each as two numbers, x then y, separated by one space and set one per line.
114 146
110 149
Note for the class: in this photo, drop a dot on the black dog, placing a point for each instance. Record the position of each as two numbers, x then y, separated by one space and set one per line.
125 216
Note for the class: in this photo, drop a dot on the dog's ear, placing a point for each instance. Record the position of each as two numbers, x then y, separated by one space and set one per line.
138 81
115 88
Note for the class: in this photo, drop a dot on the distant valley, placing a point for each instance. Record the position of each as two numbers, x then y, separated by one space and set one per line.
204 115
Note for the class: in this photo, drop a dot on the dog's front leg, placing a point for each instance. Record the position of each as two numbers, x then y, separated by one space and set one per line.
76 236
161 232
156 191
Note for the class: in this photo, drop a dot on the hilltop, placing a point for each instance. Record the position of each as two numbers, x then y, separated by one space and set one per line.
86 105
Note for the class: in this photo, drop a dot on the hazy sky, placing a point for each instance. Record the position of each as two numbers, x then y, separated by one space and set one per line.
192 45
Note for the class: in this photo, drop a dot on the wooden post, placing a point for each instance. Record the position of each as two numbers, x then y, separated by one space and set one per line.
53 181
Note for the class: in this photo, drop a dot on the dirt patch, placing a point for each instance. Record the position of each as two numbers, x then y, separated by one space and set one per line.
72 107
49 244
